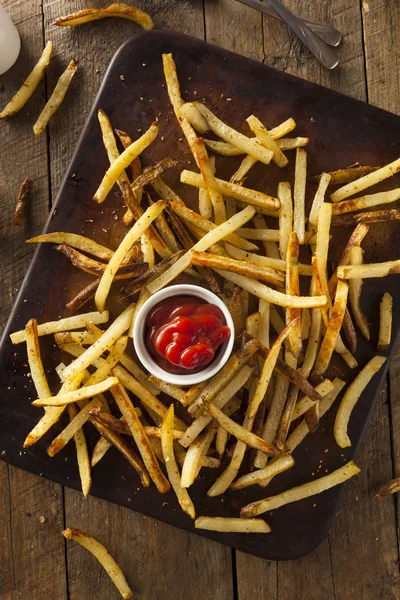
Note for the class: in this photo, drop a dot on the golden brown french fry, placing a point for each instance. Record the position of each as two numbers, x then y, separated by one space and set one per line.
97 268
377 216
367 181
390 488
265 293
264 235
301 431
285 217
232 525
56 98
167 441
82 454
117 9
300 177
252 197
104 558
385 324
302 491
76 241
202 160
351 398
355 287
110 143
22 200
342 176
333 330
75 322
365 271
264 138
197 449
293 289
30 84
139 435
273 263
210 238
123 161
206 259
38 374
190 112
302 406
140 282
313 342
355 239
281 464
318 201
348 206
77 395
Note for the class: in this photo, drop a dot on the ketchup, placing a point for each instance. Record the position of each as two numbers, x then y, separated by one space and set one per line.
183 333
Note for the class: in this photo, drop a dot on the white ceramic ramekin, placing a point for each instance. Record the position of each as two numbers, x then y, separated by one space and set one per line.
140 331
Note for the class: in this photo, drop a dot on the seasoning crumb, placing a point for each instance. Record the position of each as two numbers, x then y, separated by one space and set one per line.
42 519
122 78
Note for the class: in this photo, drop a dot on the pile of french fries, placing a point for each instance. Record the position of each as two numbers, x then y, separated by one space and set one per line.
280 375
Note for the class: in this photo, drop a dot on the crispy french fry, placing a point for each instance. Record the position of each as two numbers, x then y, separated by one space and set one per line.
302 406
210 238
351 398
117 9
35 360
355 239
302 491
385 325
30 84
139 435
238 192
333 330
264 235
76 241
123 161
390 488
232 525
301 431
265 293
355 287
77 395
95 267
318 201
285 217
201 157
366 181
369 201
104 558
299 191
82 454
67 324
281 464
293 289
110 143
197 449
273 263
22 200
56 98
141 281
365 271
191 113
313 342
264 138
346 175
377 216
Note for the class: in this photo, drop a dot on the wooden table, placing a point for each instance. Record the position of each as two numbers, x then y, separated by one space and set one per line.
360 558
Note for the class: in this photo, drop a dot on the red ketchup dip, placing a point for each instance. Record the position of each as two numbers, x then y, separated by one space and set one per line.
183 334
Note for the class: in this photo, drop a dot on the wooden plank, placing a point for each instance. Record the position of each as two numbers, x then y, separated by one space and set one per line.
32 554
394 395
256 578
157 559
363 538
149 552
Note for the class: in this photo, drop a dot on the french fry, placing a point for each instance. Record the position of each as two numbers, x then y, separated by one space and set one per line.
390 488
302 491
369 201
366 181
313 342
110 143
299 190
355 239
349 331
139 435
242 434
123 161
30 84
67 324
197 449
264 138
120 426
82 454
141 281
201 157
75 240
351 398
104 558
271 248
365 271
281 464
355 287
293 289
301 431
190 112
114 439
108 338
167 440
95 267
77 395
22 201
232 525
56 98
265 235
35 360
285 217
318 201
220 399
117 9
205 205
210 238
131 237
192 217
249 146
346 175
274 297
240 174
333 330
205 259
302 406
385 324
377 216
273 263
252 197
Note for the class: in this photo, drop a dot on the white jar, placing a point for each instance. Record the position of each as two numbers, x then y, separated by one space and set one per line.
10 42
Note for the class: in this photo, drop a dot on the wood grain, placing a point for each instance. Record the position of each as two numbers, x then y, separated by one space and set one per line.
6 551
